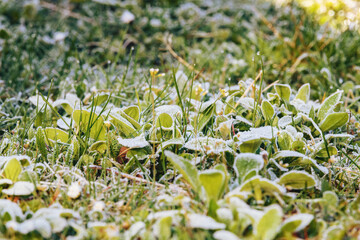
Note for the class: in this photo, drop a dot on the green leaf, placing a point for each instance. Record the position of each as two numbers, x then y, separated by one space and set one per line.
250 146
322 153
334 233
284 91
213 181
87 121
100 98
133 112
123 125
12 169
247 162
333 121
205 117
189 171
99 146
297 180
331 198
285 140
267 110
55 134
304 93
164 121
269 224
268 186
329 104
164 225
296 223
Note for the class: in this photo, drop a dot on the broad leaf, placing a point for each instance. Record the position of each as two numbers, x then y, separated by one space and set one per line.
296 222
90 122
123 125
329 104
189 171
269 224
20 189
333 121
213 181
297 180
304 93
284 91
12 169
245 163
267 110
55 134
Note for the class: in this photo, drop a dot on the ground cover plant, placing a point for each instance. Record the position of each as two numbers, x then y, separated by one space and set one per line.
177 120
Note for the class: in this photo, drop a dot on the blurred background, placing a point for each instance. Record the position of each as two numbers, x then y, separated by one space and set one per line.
81 43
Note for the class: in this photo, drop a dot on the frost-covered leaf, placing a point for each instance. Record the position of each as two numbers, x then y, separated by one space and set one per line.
304 93
204 222
208 145
23 159
266 132
329 104
267 110
90 122
247 162
296 222
55 134
334 232
341 135
165 121
225 235
12 169
269 224
204 117
297 180
171 142
100 99
123 125
304 160
172 110
20 188
163 228
99 146
11 209
265 184
284 91
137 142
30 225
212 181
331 198
185 167
333 121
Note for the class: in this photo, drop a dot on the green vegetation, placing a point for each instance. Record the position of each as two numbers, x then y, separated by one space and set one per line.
170 120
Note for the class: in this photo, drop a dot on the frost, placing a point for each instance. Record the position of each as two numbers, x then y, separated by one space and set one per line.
208 145
11 208
225 235
266 132
172 110
284 121
127 17
135 229
74 190
137 142
20 188
204 222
